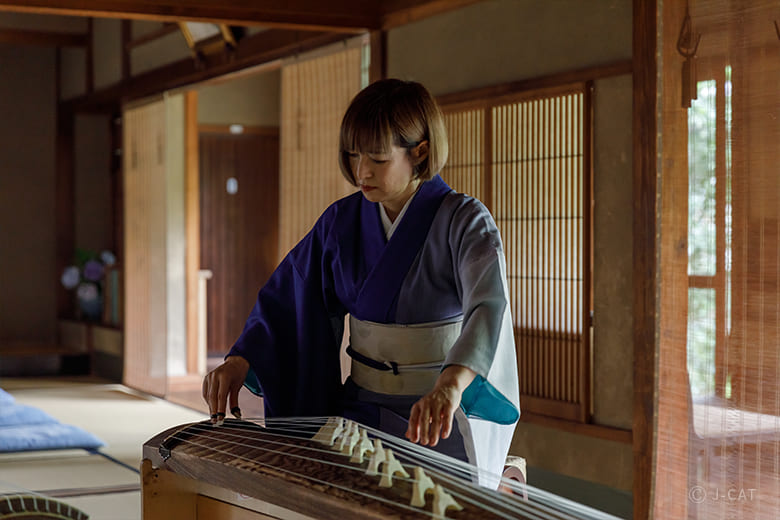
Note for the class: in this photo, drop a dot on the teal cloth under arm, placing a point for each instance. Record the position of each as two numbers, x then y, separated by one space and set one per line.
252 384
481 400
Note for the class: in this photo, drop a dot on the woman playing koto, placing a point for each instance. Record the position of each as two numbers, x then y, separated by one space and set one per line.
420 270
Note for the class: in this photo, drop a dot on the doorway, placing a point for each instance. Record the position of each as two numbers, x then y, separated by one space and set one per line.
239 212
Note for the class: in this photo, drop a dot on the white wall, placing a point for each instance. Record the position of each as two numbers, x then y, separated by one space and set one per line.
251 100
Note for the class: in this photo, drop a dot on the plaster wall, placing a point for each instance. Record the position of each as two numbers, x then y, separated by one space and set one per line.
251 100
94 226
27 194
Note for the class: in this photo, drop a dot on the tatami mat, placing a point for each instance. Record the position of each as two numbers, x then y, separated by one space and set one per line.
103 487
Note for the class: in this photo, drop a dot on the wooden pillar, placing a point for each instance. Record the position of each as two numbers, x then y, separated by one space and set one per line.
378 67
644 230
65 195
192 225
90 58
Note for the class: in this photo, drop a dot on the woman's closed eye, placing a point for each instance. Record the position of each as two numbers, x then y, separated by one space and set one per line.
355 156
378 159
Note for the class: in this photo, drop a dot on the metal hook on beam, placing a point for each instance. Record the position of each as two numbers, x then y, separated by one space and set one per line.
687 45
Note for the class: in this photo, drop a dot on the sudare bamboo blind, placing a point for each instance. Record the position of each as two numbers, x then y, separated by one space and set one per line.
526 157
717 451
145 328
315 95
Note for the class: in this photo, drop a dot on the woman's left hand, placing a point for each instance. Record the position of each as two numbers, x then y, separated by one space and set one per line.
431 417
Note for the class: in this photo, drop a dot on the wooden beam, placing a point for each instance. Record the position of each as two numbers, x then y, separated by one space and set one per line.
261 48
350 16
644 230
507 89
47 39
401 12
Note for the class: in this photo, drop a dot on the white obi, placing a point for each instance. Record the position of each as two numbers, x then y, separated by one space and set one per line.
400 359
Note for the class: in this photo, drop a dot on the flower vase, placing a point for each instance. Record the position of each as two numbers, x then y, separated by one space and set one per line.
90 302
91 309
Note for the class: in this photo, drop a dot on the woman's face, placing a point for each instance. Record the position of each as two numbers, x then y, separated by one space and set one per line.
385 177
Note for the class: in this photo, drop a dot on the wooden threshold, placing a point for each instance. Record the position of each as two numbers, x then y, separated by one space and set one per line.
591 430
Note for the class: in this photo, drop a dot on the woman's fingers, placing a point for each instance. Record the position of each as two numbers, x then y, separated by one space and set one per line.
234 409
413 430
425 424
223 383
430 419
446 428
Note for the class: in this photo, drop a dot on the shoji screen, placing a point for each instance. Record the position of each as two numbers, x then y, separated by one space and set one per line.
539 185
465 168
315 94
145 248
527 156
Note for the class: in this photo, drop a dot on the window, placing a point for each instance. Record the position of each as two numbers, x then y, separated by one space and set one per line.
709 233
527 156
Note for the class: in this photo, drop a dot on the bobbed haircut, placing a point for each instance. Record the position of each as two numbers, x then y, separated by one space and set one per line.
392 112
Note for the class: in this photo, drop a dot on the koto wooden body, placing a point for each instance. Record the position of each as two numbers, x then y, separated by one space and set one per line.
281 478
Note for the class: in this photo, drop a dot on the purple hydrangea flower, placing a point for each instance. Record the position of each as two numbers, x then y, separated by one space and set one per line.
93 270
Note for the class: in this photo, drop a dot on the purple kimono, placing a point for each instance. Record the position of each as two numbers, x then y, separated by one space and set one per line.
444 260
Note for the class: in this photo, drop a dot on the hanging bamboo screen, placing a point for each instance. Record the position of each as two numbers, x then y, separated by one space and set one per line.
717 451
315 95
527 157
145 359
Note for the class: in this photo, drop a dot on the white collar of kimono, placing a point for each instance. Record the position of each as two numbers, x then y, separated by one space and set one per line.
390 226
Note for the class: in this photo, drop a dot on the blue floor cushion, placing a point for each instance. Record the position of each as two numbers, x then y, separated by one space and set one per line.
26 428
5 397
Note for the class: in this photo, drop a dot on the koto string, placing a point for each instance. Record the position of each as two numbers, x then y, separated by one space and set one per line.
413 451
515 505
483 505
423 457
313 479
506 500
525 510
420 454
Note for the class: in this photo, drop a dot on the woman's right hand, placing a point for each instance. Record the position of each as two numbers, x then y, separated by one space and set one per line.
223 383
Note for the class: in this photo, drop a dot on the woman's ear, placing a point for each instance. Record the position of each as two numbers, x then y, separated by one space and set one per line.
420 152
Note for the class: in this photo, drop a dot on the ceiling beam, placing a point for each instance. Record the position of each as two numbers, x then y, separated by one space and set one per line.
47 39
349 16
259 49
400 12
